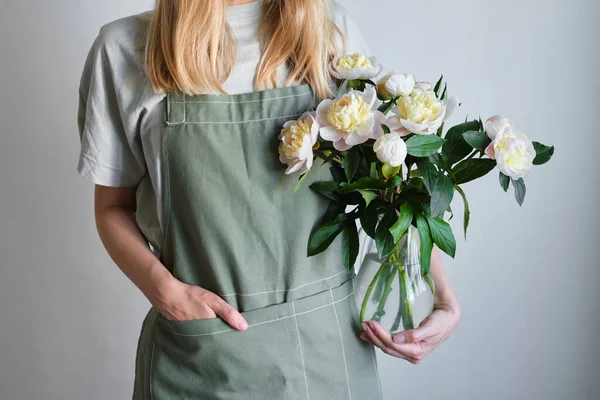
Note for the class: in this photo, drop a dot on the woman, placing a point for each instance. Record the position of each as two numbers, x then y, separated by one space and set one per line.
179 113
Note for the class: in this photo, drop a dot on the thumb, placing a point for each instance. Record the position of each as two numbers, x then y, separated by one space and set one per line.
228 313
414 335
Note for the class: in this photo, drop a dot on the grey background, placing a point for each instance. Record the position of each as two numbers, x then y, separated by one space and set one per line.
526 277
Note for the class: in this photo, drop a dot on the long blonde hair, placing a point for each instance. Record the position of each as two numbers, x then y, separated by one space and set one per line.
190 46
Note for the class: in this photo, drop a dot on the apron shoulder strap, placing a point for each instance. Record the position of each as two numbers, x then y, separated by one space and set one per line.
175 108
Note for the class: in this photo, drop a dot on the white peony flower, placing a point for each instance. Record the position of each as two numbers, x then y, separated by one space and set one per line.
350 119
513 152
354 66
400 84
425 86
297 140
391 149
421 113
496 124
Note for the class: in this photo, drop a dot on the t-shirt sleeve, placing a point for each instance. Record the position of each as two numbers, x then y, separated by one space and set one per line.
355 41
111 151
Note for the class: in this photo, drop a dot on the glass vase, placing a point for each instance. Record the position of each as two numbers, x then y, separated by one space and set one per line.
392 290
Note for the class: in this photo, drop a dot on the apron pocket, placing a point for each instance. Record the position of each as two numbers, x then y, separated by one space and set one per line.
306 348
207 359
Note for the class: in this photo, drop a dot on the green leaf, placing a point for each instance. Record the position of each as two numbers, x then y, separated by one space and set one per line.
443 96
373 170
333 154
439 186
338 174
423 145
504 181
350 245
386 129
442 235
370 183
477 140
543 153
519 185
441 195
383 238
437 86
300 182
367 195
333 210
437 160
426 243
456 147
351 160
467 213
327 189
322 237
369 217
468 170
403 222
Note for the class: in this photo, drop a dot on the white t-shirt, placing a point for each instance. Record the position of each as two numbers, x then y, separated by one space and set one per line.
121 118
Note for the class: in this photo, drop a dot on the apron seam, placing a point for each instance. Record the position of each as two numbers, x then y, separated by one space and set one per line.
284 290
151 366
301 351
258 323
342 343
239 102
243 121
373 357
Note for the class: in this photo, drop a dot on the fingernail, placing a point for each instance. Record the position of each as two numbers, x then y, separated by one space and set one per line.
243 325
398 339
364 326
363 337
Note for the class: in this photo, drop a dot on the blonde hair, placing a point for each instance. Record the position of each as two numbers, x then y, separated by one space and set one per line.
190 46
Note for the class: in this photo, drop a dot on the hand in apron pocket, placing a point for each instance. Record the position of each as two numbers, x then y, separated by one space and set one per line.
191 302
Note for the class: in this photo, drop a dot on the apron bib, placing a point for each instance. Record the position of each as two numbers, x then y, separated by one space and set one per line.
234 227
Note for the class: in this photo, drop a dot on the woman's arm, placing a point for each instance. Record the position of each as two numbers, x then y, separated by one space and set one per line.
114 209
414 344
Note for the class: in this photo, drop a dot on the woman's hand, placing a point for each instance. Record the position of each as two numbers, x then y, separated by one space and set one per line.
414 344
180 302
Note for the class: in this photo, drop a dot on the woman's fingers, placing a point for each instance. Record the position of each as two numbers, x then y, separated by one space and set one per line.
370 336
412 352
424 331
228 313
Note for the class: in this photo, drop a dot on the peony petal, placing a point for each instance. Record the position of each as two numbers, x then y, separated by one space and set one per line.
451 105
330 133
354 138
366 128
341 145
322 109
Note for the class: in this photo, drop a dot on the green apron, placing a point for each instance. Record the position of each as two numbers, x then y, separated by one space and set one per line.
234 227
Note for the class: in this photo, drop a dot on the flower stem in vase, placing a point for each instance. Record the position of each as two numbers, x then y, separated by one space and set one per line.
406 306
380 312
369 290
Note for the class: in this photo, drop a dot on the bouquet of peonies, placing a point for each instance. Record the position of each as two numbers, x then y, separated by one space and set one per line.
396 171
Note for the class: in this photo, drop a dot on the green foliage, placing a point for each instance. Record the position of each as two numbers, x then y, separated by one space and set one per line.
383 237
543 153
467 212
426 243
442 235
424 145
456 147
477 140
322 237
504 180
349 245
519 185
403 222
470 169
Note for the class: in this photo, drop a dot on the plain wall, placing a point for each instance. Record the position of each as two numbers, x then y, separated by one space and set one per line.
526 277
